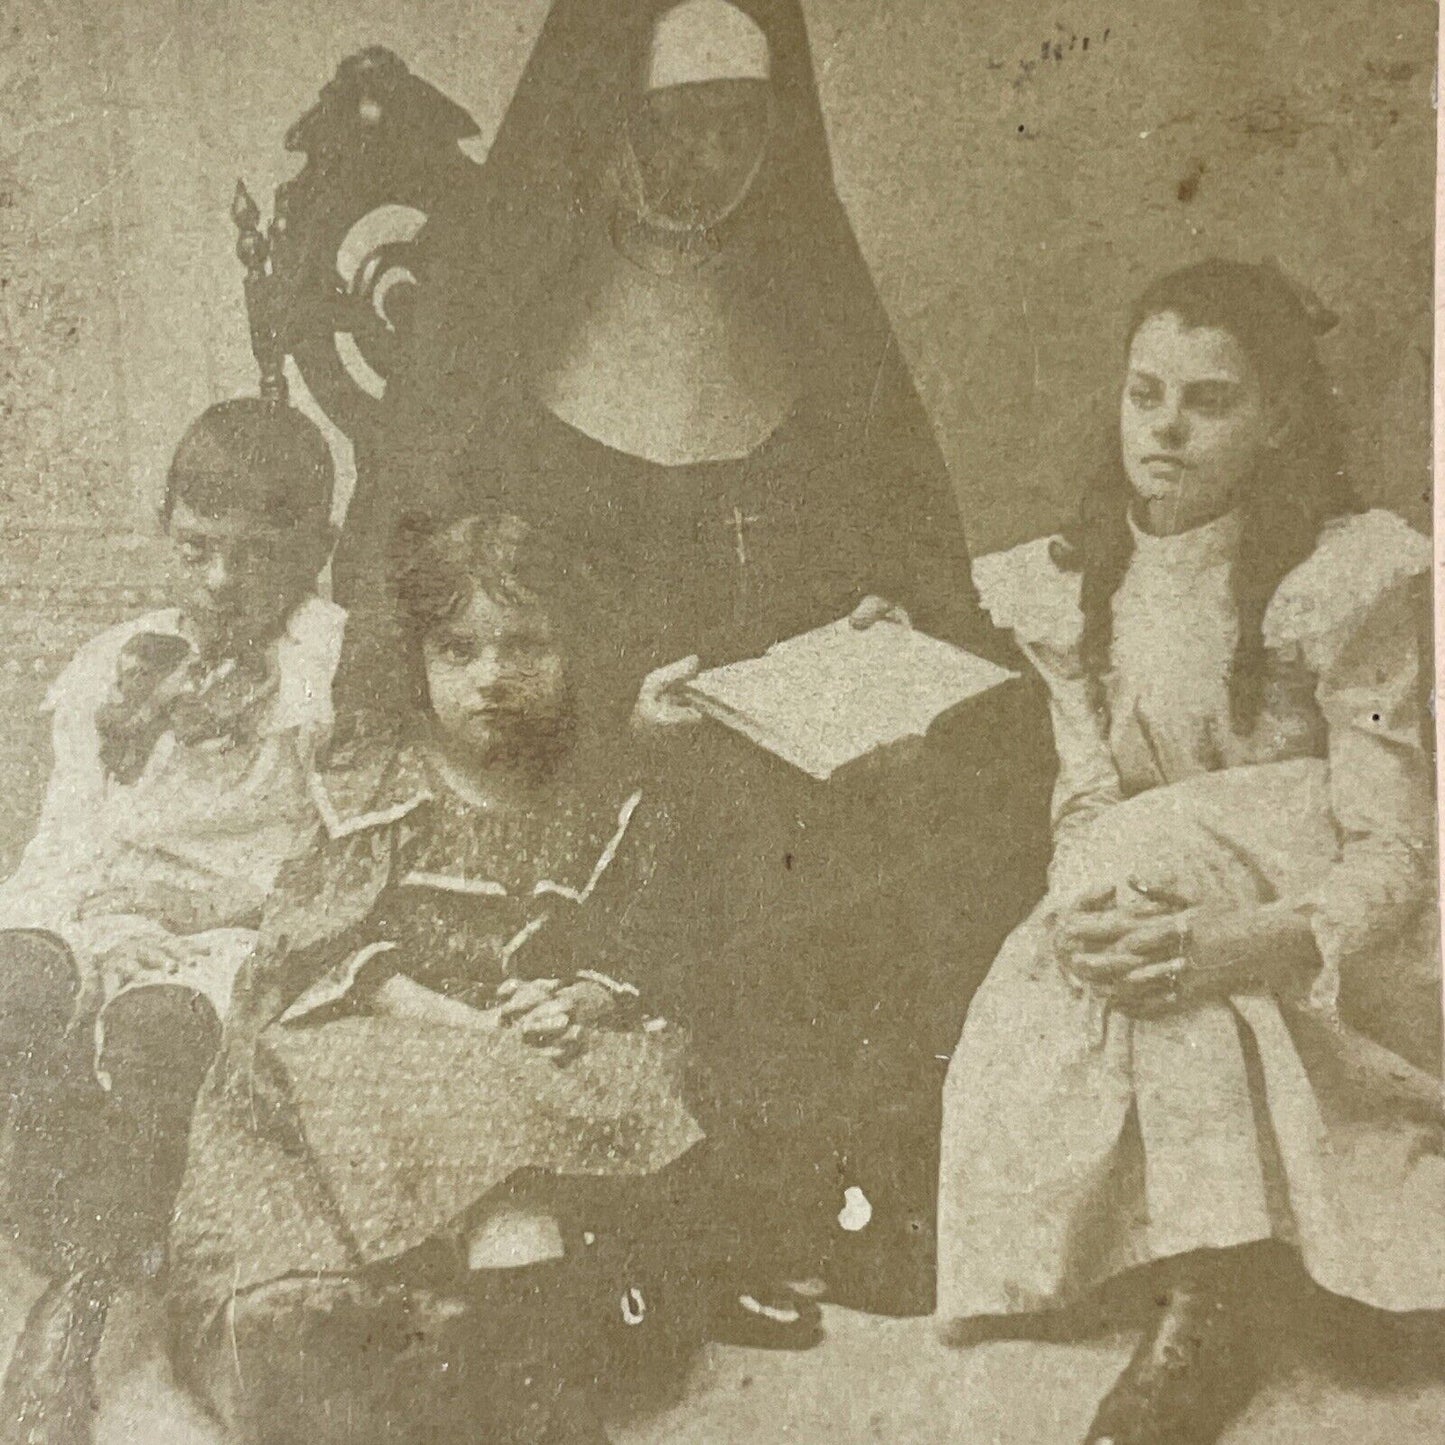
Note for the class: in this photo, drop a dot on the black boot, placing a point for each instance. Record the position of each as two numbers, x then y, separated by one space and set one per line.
1188 1378
48 1397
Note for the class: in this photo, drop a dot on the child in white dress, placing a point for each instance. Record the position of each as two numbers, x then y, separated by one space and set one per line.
182 742
1221 1026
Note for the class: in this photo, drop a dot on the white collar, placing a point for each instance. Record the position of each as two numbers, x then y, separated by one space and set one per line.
1199 549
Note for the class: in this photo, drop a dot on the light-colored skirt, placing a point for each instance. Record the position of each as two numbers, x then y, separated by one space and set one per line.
1079 1142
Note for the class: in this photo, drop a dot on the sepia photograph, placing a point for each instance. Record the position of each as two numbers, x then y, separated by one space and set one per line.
719 723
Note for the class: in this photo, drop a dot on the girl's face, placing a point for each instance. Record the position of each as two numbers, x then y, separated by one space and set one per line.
698 148
1193 423
497 683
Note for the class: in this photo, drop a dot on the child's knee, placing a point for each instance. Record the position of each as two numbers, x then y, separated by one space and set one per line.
39 985
158 1043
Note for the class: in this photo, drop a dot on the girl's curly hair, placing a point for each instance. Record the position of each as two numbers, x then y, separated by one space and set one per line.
435 570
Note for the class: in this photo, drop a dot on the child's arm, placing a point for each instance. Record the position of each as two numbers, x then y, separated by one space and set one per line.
400 996
76 786
600 961
316 916
314 919
556 1016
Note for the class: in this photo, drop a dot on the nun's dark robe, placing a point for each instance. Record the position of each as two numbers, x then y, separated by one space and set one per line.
829 934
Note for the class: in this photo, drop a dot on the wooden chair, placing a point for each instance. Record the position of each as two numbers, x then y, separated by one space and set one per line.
331 280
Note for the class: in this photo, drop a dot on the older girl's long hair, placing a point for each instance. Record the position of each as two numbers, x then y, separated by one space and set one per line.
1299 485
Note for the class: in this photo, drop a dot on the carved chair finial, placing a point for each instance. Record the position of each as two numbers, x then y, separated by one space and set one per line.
381 148
253 250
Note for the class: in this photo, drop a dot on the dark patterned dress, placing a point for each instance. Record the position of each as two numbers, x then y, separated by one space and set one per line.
383 1133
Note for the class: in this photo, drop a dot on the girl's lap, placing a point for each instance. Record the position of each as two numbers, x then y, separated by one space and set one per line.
1237 837
1240 835
384 1134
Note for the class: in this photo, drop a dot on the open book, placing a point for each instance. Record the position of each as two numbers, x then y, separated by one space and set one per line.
832 695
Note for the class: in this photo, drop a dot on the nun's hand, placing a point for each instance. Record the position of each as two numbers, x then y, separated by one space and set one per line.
660 703
872 610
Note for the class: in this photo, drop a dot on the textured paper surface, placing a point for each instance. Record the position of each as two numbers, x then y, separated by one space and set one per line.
1014 177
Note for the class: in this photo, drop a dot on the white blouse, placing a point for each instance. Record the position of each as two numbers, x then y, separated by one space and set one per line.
206 826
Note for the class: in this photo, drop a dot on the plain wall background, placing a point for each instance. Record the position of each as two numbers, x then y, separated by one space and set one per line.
1012 187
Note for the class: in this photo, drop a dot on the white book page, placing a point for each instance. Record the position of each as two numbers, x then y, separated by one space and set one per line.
829 696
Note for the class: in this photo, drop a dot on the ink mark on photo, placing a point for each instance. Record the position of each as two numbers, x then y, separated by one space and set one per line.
1188 186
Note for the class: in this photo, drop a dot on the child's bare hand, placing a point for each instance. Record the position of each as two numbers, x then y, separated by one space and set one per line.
519 996
583 1003
1108 933
659 703
557 1024
1111 956
1217 952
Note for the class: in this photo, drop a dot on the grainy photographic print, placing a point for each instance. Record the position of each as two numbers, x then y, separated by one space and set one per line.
718 723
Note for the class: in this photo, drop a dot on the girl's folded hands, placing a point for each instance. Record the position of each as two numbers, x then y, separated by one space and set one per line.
552 1015
1155 952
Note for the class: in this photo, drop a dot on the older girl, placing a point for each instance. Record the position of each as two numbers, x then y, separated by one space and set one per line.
1220 1027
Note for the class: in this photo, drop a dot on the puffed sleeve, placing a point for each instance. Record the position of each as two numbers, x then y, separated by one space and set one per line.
1024 592
1355 614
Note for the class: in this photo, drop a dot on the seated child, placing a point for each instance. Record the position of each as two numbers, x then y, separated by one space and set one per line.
182 744
442 1024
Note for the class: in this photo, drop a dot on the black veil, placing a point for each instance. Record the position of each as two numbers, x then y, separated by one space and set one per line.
489 255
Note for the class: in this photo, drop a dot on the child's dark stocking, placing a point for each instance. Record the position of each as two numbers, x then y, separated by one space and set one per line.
48 1396
39 985
1197 1366
93 1174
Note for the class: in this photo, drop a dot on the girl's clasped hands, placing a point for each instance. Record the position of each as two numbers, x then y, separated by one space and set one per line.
1146 949
554 1016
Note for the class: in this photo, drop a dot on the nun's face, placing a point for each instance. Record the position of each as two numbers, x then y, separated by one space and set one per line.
698 149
